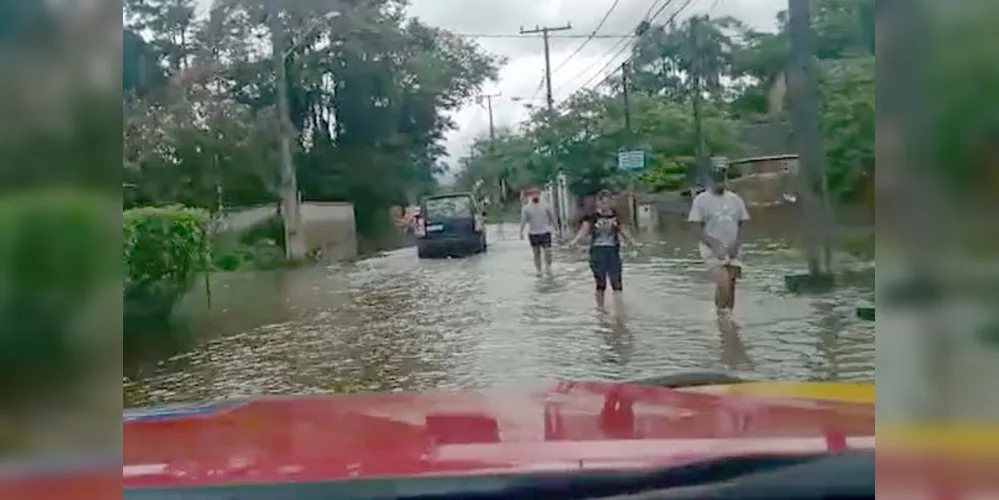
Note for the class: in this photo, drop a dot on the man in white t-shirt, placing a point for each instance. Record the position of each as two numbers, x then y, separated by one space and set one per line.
539 219
720 216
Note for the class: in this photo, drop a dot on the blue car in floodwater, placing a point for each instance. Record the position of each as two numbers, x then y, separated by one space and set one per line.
451 225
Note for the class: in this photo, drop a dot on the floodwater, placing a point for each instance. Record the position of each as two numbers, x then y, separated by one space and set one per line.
394 322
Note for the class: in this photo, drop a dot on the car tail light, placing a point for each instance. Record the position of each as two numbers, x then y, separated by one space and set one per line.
478 223
420 226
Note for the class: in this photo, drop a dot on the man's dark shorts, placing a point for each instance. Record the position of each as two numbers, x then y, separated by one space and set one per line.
540 240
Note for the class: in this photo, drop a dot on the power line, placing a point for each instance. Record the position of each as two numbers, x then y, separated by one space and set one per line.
553 36
620 43
545 31
670 20
588 68
649 17
589 39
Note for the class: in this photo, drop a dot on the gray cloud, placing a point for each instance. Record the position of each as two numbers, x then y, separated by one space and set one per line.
524 69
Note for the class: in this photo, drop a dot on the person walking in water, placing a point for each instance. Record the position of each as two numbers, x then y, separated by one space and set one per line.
605 229
539 219
720 216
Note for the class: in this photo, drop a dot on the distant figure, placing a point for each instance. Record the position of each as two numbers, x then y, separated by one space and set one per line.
720 216
606 231
539 219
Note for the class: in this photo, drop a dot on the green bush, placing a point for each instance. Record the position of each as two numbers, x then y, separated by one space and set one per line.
164 250
259 255
666 174
57 251
260 248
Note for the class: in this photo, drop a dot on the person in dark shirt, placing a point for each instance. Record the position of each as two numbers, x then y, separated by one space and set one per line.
606 231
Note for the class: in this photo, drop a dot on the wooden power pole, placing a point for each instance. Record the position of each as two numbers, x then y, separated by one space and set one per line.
627 100
545 31
703 159
492 127
804 91
488 98
628 138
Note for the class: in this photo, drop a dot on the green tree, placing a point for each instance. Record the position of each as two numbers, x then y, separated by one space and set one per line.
140 64
370 93
843 29
171 24
584 136
666 55
848 121
503 165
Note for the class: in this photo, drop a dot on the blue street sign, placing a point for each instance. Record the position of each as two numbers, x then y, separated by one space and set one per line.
631 160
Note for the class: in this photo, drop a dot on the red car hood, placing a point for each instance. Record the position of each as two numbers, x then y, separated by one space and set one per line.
556 427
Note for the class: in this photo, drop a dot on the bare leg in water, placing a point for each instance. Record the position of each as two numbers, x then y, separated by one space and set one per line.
726 277
537 258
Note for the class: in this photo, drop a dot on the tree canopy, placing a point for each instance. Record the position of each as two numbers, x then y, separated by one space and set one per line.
738 73
370 92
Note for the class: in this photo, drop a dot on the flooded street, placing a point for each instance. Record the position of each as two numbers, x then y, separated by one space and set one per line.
394 322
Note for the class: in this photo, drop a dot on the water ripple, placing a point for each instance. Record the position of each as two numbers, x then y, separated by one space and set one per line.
397 323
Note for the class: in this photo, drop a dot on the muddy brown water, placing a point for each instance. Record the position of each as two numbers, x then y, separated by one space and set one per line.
393 322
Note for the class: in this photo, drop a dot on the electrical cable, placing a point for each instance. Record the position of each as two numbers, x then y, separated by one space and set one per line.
621 44
590 38
672 18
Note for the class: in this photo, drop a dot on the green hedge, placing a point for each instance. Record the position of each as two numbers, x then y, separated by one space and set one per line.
57 255
164 250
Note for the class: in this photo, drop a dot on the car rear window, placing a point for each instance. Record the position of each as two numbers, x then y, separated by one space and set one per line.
443 208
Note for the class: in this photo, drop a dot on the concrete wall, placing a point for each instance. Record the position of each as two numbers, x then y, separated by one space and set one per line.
766 181
330 228
238 220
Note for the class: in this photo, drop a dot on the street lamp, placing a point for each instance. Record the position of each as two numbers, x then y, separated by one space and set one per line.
291 210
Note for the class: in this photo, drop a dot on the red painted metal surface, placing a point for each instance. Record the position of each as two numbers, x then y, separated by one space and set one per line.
559 427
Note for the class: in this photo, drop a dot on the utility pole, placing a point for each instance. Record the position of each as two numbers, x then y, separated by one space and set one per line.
492 136
627 104
803 87
545 31
703 160
628 139
294 245
492 127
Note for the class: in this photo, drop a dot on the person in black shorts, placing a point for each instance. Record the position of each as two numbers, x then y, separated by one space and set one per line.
605 229
539 220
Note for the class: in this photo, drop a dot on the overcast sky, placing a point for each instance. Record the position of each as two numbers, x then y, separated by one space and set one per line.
523 73
521 76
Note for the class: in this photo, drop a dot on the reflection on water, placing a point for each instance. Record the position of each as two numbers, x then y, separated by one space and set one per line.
395 323
734 354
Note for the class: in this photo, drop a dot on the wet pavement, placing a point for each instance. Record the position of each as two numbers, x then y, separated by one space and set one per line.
394 322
